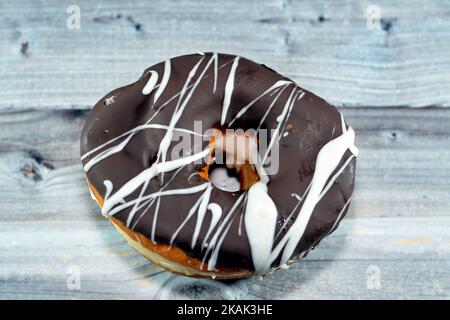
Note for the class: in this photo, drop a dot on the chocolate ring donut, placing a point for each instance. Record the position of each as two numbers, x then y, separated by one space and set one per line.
269 208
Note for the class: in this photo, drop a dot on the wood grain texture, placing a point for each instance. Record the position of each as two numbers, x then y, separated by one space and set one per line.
366 258
395 241
403 168
394 244
325 46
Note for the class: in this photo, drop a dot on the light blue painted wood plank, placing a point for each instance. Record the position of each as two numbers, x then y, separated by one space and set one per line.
398 226
403 168
325 46
366 258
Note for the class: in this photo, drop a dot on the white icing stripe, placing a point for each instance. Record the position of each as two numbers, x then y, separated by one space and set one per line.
282 116
119 147
149 203
157 194
190 86
213 259
229 86
164 80
179 93
320 197
136 129
136 205
149 174
174 164
337 174
328 158
216 212
338 219
201 215
190 214
107 153
352 148
145 126
343 126
243 110
289 217
280 91
275 91
109 187
260 222
212 244
150 85
201 205
241 219
216 70
299 95
155 215
259 166
261 213
155 219
165 143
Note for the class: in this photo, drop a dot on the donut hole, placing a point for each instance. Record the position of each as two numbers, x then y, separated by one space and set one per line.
224 179
230 165
229 177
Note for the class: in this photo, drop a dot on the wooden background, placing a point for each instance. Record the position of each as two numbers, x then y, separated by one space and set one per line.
392 83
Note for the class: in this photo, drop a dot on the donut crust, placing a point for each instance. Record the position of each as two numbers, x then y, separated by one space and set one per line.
169 257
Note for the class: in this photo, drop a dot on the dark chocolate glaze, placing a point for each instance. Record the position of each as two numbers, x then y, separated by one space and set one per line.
312 123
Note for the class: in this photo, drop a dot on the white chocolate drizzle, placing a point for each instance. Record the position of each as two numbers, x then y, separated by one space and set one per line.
260 222
339 217
285 114
164 81
151 83
229 86
216 70
147 175
259 212
327 160
119 147
201 205
215 243
244 109
216 213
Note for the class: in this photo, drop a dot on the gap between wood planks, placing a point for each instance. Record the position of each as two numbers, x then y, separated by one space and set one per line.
327 48
403 168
